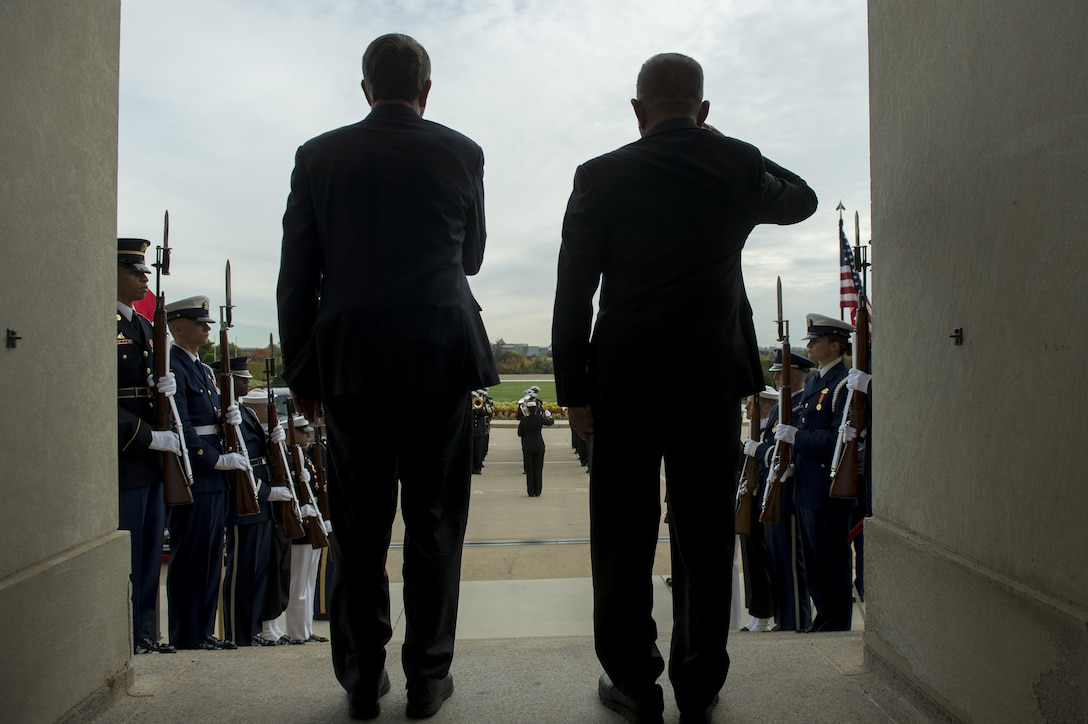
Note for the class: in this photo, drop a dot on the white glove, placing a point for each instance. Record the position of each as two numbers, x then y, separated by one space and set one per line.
232 461
277 436
166 385
789 473
309 511
849 433
232 415
750 447
786 433
547 413
328 526
165 441
858 380
279 494
305 474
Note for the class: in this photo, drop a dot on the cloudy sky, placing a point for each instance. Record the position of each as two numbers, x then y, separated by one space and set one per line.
216 95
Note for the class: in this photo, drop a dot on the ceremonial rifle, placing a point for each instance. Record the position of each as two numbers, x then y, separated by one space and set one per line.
177 471
245 485
844 463
749 477
782 457
319 466
281 466
315 526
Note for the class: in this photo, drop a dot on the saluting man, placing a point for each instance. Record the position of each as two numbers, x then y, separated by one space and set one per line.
825 521
140 506
196 530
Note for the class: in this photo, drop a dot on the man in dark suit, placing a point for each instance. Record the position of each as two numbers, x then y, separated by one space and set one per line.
384 222
824 521
662 221
139 459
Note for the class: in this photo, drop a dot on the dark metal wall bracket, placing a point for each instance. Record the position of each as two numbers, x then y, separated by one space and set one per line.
12 338
957 336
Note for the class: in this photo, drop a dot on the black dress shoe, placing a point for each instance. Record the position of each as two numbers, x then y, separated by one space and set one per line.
703 716
364 705
259 640
318 639
294 642
425 697
646 710
148 646
211 642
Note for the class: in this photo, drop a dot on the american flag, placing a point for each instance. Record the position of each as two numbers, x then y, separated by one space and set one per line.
849 282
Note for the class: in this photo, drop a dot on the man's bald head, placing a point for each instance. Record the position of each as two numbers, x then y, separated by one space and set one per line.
670 84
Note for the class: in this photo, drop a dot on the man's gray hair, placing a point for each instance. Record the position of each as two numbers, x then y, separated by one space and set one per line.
395 67
670 82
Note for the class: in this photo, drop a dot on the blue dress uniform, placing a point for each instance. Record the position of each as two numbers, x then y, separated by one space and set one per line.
789 585
825 521
196 530
248 537
140 506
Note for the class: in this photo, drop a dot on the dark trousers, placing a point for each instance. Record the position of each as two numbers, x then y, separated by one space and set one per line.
141 513
245 580
196 561
756 563
478 442
792 610
824 537
434 468
534 471
625 512
278 586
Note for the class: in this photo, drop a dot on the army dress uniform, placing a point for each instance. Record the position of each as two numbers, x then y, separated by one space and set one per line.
196 530
248 537
824 521
140 506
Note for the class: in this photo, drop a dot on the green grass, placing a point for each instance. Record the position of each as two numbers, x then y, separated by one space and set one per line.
513 390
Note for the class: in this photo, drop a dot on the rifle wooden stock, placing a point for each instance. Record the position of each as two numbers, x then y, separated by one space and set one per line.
281 477
844 466
177 475
749 478
245 487
772 496
322 478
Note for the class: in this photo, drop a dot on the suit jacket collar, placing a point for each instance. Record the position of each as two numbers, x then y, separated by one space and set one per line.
395 110
671 125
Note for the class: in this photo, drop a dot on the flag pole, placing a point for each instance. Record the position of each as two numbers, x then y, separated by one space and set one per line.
840 208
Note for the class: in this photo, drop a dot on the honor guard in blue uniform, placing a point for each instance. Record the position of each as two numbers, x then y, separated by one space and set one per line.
789 585
140 506
532 445
248 537
478 401
754 549
825 521
196 530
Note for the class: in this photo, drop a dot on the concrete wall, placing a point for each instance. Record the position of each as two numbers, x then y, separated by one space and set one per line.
63 565
978 581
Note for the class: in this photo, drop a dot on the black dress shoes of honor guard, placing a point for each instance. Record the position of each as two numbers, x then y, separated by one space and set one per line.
317 639
259 640
645 710
425 697
147 646
211 643
363 704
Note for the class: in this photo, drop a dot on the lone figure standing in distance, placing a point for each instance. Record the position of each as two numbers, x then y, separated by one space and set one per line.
384 221
660 225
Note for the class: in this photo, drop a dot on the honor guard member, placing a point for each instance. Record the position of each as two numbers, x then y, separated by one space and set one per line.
140 506
304 557
532 445
754 551
320 587
825 521
196 530
789 586
248 537
479 429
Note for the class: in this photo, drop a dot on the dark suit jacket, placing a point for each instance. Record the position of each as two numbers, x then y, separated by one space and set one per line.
384 221
663 221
